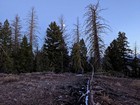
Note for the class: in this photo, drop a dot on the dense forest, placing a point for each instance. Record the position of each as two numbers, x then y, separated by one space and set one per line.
19 52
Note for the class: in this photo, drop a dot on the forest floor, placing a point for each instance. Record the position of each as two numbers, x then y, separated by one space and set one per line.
66 89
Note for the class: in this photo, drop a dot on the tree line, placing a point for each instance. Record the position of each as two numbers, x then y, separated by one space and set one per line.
120 58
19 53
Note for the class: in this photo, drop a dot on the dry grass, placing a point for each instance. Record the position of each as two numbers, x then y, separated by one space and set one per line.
135 83
118 84
9 79
107 99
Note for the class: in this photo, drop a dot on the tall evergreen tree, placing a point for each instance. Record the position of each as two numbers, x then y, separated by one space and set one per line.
44 58
76 54
26 56
135 64
6 36
111 57
124 51
117 55
83 54
6 48
65 48
79 51
55 48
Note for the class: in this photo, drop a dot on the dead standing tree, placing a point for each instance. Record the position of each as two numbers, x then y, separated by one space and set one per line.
32 28
16 31
94 28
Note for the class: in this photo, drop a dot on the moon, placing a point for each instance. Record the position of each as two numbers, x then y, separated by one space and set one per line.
64 25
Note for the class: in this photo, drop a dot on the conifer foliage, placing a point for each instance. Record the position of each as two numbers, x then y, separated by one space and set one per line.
18 53
117 54
55 49
6 61
78 57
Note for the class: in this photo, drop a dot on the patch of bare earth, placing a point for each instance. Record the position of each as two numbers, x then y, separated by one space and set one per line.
42 89
116 91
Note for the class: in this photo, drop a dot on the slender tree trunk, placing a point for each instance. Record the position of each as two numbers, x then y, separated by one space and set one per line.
96 43
16 32
62 67
31 28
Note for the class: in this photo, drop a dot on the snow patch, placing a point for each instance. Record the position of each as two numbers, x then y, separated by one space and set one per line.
86 100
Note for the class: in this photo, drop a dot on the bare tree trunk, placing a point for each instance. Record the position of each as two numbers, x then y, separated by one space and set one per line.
96 43
94 28
16 32
32 28
62 67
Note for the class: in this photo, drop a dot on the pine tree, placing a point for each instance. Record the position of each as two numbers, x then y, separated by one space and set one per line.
79 51
124 52
111 57
54 48
6 48
7 36
44 63
135 64
64 53
26 56
36 62
117 55
76 58
83 54
76 51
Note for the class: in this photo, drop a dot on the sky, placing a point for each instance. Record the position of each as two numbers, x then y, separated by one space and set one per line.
121 15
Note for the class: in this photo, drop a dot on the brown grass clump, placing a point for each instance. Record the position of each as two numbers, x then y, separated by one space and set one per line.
135 83
107 99
9 79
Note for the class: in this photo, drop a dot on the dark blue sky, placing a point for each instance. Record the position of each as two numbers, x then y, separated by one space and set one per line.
122 15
